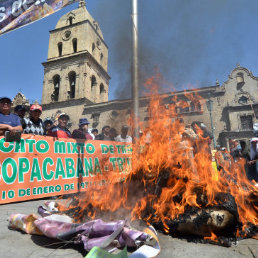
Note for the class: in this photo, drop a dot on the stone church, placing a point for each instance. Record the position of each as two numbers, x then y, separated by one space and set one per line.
76 82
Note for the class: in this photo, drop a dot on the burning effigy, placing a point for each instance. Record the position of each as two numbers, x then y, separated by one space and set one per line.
173 185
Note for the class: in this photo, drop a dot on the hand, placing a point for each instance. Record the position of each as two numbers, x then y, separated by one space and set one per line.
251 162
12 130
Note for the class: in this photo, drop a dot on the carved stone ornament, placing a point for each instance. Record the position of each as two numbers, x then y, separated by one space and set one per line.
67 35
243 98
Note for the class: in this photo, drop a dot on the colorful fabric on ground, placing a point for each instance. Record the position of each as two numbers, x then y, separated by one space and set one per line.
90 234
97 252
24 223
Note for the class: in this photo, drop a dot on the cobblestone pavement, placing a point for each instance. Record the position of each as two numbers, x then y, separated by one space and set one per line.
17 244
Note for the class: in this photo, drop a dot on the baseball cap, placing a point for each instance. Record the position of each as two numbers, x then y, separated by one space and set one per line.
83 121
2 98
35 107
63 115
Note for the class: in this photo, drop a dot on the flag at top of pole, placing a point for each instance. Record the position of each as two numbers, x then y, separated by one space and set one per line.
18 13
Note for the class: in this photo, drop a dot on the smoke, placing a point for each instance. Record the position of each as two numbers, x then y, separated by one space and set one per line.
191 42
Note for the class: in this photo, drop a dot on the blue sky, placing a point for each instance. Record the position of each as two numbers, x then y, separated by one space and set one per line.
191 42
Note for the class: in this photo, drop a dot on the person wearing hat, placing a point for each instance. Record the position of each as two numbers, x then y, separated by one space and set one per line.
34 124
124 137
82 131
61 130
20 111
8 121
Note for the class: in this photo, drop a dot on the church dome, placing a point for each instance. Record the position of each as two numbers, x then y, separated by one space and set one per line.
76 16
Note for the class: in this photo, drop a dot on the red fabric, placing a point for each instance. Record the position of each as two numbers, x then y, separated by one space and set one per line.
59 132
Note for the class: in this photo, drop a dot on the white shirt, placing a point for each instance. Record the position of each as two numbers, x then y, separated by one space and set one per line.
126 139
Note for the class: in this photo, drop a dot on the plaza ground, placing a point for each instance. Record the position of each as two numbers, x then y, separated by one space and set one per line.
16 244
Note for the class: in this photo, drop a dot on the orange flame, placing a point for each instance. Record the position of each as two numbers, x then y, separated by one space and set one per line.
166 152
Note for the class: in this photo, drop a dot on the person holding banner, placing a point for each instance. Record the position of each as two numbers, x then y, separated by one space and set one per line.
8 122
61 130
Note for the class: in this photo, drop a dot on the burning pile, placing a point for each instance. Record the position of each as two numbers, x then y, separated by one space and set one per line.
177 191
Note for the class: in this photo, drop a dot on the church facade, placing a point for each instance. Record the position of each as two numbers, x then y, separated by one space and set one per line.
76 82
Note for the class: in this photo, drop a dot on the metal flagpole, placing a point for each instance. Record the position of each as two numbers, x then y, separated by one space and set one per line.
135 79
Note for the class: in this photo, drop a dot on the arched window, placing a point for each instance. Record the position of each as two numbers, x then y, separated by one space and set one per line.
74 45
93 47
72 83
60 48
101 56
102 92
93 87
56 82
195 106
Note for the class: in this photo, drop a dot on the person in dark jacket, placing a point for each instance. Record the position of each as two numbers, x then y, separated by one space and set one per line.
105 135
82 131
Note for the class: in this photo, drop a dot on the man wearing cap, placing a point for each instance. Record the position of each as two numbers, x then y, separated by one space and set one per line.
61 130
124 137
33 124
20 111
8 122
82 131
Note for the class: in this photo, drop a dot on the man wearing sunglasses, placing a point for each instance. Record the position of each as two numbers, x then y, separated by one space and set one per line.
8 121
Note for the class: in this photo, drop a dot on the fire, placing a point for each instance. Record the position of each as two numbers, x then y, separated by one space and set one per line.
170 173
213 237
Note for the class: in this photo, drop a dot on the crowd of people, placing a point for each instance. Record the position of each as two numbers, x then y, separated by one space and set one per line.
33 124
196 138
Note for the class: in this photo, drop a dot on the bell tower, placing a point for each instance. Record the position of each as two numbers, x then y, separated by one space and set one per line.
76 67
